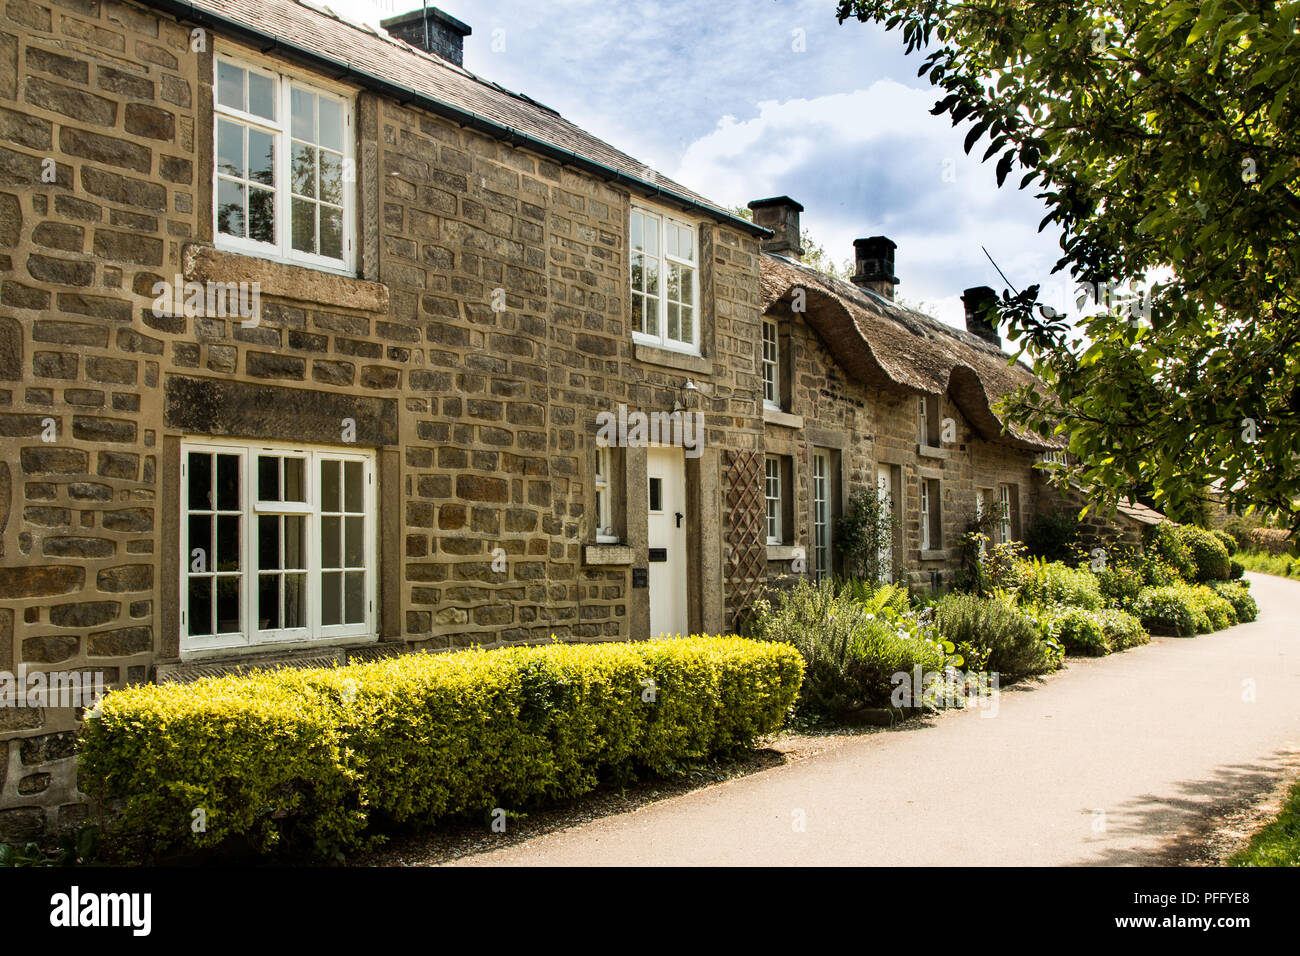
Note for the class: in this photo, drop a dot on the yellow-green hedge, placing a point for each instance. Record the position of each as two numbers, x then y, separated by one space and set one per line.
324 754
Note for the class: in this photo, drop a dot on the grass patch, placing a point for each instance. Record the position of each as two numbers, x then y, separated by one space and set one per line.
1261 562
1277 844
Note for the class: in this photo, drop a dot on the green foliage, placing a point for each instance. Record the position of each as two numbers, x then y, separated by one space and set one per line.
1209 555
1052 535
74 848
1121 579
1278 843
867 528
853 638
1050 582
1080 632
976 560
327 757
1228 540
994 629
1166 543
1169 609
1236 594
1235 569
1158 135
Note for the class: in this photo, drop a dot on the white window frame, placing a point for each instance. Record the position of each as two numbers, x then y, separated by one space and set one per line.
821 495
603 504
931 506
925 514
662 341
772 492
281 128
771 349
250 508
1004 505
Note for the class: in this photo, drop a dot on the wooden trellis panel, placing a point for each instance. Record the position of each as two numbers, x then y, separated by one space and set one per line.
746 533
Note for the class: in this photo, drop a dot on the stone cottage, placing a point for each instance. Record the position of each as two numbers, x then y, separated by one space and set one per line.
309 339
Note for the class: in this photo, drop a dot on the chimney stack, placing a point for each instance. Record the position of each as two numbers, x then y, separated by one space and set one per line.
875 265
781 215
432 31
981 314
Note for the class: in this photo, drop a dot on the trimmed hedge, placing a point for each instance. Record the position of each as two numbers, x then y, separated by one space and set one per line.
1186 608
1208 554
1094 633
1237 594
329 756
1050 582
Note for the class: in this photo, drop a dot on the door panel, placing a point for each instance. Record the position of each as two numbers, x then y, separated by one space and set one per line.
666 472
885 492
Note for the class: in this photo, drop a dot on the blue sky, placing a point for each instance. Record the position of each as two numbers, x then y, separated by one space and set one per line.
759 98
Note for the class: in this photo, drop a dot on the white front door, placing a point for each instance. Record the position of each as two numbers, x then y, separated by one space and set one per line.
666 471
885 492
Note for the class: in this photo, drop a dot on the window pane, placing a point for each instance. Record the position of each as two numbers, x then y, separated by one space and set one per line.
637 232
228 606
230 85
674 282
304 170
688 324
295 541
304 115
268 478
355 588
331 530
261 95
295 600
354 487
261 157
670 240
638 312
651 236
687 285
268 602
294 485
200 606
656 494
651 278
261 214
200 480
674 322
228 542
268 542
355 543
331 124
331 607
329 485
228 467
200 540
304 225
331 177
331 232
230 208
230 148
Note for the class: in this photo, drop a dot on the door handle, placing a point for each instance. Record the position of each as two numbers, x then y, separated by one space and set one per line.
679 519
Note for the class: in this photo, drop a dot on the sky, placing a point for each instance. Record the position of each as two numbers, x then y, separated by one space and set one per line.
759 98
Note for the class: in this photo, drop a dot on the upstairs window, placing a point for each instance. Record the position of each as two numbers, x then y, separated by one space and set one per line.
771 366
665 281
283 183
772 493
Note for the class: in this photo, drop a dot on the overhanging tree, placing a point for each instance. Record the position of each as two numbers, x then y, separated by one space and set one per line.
1165 140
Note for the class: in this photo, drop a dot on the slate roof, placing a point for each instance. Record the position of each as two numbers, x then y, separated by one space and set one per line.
885 345
314 33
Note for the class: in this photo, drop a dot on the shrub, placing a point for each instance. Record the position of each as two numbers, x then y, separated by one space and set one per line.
1218 609
1094 633
1209 555
1050 582
1170 608
1163 541
1120 581
867 528
1159 573
1228 540
995 630
324 754
853 638
1052 535
1236 570
1236 594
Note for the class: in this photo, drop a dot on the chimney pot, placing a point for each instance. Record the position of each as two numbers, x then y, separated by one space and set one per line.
981 319
875 265
781 215
432 31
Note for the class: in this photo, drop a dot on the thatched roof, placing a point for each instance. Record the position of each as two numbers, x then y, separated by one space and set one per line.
884 345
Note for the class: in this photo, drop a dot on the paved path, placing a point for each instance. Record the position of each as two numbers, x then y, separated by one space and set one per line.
1103 763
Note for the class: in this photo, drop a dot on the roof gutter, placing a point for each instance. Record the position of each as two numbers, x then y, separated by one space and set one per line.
268 43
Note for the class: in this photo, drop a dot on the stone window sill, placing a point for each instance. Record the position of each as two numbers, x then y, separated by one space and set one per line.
607 555
934 555
206 264
215 663
670 359
782 419
929 451
783 552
